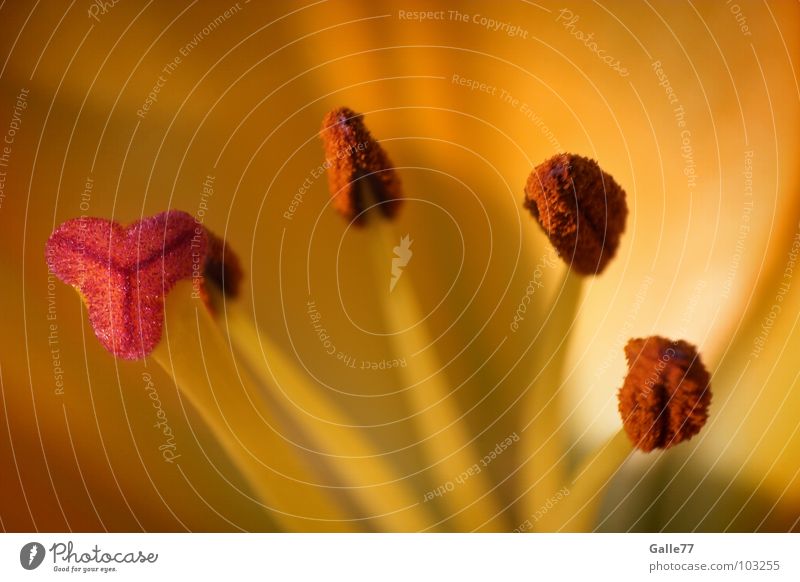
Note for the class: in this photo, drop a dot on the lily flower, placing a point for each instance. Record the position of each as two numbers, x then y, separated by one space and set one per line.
414 343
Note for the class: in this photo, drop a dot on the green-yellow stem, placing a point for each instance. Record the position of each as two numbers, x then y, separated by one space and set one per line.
194 353
446 443
368 476
578 510
543 413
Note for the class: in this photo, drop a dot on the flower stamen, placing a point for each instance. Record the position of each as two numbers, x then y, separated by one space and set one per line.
365 169
664 400
355 158
222 270
580 208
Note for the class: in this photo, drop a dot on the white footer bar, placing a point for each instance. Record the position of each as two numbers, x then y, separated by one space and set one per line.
406 557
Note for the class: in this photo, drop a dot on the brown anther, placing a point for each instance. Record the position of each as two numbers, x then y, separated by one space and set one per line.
222 270
665 397
581 209
357 162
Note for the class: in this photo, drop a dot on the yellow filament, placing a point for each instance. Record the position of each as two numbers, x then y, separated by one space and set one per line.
375 485
444 439
194 353
578 511
544 437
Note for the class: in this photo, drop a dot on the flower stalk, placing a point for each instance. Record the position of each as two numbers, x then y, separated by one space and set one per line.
544 438
579 510
194 354
445 441
366 475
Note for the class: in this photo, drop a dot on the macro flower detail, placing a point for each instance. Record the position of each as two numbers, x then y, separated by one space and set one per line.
665 397
580 207
123 273
222 270
353 156
398 181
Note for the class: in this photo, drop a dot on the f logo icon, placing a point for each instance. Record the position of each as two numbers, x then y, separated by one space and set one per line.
31 555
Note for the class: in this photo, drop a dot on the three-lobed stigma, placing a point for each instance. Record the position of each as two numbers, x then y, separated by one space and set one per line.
124 273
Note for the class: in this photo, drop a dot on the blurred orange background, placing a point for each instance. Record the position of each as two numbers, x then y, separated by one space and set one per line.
465 112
